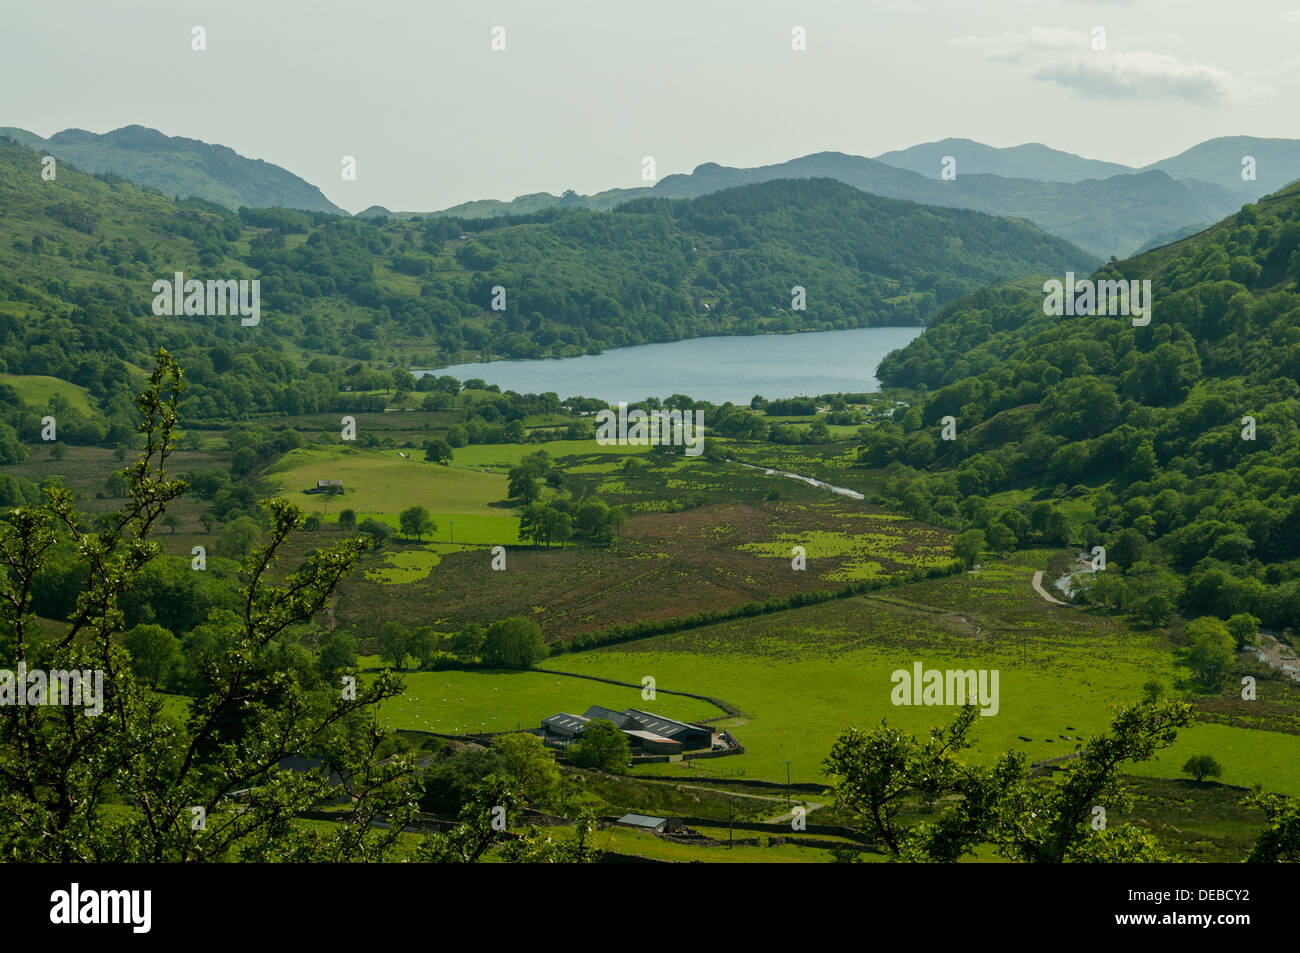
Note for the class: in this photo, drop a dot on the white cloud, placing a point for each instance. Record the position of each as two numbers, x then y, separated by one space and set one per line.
1066 58
1139 75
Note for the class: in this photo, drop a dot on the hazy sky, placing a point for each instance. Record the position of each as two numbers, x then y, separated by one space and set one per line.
585 88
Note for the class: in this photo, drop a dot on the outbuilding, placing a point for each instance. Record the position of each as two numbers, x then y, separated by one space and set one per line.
650 743
687 735
643 822
619 718
565 725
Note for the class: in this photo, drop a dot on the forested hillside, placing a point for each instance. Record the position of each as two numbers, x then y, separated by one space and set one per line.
81 254
1135 438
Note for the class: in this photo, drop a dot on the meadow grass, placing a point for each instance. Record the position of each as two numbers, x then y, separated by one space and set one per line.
1248 756
35 390
801 677
796 707
453 701
379 482
504 455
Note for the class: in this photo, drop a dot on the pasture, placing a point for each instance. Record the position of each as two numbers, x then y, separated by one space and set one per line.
35 390
453 701
382 483
803 676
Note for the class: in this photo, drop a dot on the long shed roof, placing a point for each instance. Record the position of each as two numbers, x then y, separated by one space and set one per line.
566 721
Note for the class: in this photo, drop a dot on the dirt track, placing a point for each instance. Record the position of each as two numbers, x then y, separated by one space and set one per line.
1038 588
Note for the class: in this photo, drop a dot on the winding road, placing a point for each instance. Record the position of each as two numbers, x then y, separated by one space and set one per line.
1038 587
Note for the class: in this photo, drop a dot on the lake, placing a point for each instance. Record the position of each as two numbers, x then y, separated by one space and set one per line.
716 369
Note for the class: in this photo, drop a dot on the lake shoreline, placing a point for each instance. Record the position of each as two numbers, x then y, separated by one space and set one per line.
718 369
424 372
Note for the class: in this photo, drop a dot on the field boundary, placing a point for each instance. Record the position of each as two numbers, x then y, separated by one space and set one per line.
729 710
585 641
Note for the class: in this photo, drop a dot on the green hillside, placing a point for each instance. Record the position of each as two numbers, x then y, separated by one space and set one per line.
82 253
1089 430
38 390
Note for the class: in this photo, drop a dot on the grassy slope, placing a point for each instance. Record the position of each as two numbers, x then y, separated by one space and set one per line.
451 701
35 390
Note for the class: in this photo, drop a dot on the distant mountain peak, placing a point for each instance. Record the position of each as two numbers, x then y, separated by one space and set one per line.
1030 160
176 165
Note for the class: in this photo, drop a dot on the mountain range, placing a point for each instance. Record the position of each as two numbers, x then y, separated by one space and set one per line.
1105 208
1215 161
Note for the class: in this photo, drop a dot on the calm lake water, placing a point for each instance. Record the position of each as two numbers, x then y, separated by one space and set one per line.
713 369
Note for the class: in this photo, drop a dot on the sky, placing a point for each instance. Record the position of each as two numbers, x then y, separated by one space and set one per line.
584 90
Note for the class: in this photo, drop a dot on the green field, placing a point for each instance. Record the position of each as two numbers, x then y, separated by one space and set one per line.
500 456
381 482
803 676
452 702
35 391
1248 756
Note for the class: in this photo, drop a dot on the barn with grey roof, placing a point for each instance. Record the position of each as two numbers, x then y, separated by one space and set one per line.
646 732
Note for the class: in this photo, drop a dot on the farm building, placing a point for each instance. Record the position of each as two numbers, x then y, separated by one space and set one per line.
565 725
328 486
646 732
652 743
620 719
687 735
655 825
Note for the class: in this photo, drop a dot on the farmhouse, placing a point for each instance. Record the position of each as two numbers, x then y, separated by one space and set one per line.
328 486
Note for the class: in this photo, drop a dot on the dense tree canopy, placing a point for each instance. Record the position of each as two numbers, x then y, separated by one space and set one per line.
1178 437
